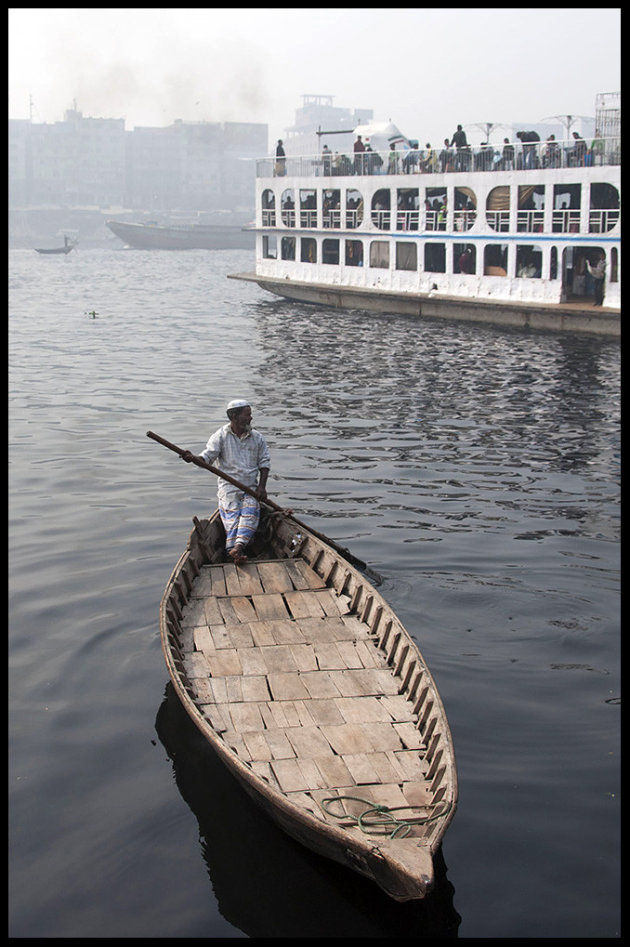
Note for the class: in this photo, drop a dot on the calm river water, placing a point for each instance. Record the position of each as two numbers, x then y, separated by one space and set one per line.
476 468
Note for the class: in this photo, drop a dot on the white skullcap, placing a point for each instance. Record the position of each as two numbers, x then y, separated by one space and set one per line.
238 403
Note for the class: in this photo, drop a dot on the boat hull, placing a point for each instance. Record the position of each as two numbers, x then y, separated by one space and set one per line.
54 252
197 237
282 730
556 317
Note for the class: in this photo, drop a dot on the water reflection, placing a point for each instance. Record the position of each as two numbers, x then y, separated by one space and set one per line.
507 391
434 427
266 884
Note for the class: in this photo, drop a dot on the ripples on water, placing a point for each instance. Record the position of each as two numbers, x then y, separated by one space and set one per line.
477 469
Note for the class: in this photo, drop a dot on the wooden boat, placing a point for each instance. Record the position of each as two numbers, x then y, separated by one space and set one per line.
66 248
312 692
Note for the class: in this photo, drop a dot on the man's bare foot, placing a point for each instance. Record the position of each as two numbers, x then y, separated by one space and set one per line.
237 555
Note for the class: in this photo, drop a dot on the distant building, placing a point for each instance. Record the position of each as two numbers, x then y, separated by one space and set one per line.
20 168
152 169
194 166
94 162
318 113
78 162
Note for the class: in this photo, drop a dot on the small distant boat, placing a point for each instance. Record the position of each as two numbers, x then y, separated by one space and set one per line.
68 245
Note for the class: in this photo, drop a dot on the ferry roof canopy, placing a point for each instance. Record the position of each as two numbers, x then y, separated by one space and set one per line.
382 135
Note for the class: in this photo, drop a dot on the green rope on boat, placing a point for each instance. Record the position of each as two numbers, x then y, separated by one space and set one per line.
378 819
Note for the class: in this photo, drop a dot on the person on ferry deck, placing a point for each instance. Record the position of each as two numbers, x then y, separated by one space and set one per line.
241 452
529 150
372 159
466 262
597 148
359 148
446 157
579 152
508 155
431 161
598 272
410 161
551 158
485 157
327 157
392 164
281 161
461 147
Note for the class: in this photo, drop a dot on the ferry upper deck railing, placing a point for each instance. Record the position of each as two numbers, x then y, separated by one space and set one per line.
517 156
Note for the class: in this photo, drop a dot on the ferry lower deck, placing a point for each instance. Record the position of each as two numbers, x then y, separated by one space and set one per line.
573 316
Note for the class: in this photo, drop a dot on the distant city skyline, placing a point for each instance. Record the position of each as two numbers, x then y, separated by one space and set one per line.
426 70
95 161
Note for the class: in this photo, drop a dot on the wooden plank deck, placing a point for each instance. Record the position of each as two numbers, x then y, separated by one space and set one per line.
296 685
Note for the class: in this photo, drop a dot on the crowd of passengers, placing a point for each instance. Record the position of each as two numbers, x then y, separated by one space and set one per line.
457 155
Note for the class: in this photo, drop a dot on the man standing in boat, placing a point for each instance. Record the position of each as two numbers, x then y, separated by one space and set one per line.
241 452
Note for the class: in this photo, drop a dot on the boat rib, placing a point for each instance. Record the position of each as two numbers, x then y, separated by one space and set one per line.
317 698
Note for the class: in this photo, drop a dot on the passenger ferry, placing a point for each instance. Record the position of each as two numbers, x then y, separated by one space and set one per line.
500 234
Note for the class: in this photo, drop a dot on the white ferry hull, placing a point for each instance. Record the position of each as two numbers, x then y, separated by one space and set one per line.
554 317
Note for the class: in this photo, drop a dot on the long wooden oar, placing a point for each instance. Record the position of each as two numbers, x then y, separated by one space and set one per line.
353 560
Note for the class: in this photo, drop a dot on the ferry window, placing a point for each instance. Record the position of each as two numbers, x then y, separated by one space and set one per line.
270 248
566 208
553 263
287 208
354 209
464 258
528 261
435 207
406 256
604 209
495 259
331 209
379 254
330 251
530 216
407 208
308 250
381 209
354 253
498 208
465 208
268 208
308 208
435 258
287 248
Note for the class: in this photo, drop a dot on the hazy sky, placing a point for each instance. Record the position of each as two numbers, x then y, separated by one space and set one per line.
426 70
